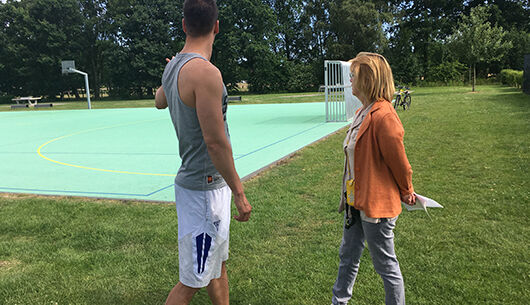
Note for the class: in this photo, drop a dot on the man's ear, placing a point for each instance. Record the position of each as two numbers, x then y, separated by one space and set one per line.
216 28
184 26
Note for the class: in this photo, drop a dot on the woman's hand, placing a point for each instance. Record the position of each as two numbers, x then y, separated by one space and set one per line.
409 199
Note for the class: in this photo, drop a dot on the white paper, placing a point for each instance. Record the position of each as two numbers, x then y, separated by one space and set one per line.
422 203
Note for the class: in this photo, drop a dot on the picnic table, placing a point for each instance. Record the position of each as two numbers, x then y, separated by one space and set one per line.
27 99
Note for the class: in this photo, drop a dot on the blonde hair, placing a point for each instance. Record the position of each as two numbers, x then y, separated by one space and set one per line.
372 76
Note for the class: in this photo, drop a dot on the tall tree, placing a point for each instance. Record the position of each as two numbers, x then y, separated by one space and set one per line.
478 41
355 26
292 23
514 17
317 12
38 35
402 57
97 34
12 38
244 48
147 32
316 38
426 24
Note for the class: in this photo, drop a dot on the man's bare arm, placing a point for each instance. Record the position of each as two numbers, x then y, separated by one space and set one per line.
160 99
208 89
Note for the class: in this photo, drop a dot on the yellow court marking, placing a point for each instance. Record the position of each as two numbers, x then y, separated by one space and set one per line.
93 168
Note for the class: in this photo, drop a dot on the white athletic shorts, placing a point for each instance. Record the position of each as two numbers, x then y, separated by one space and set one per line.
203 231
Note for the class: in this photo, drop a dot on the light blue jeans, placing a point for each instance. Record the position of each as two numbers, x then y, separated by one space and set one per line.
380 239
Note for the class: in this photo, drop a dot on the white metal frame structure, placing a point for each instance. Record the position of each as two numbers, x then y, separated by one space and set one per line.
68 66
340 102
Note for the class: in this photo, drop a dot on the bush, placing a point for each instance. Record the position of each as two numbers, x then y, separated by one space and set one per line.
281 76
511 77
6 98
424 83
301 77
492 80
268 75
448 73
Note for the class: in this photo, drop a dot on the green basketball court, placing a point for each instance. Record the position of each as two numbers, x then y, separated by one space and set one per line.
133 153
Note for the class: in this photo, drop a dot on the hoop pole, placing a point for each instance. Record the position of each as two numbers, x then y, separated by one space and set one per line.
86 85
326 88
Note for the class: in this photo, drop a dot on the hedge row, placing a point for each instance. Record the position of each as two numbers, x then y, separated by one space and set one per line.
511 77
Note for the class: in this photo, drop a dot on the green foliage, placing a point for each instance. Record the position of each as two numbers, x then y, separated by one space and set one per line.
122 44
243 49
5 99
146 37
97 31
417 30
267 75
514 58
301 77
421 31
293 26
405 64
511 78
477 40
36 36
510 14
447 72
356 26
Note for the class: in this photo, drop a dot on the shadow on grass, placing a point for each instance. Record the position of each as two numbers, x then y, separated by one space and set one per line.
509 96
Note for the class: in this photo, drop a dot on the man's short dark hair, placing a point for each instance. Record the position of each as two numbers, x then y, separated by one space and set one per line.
200 16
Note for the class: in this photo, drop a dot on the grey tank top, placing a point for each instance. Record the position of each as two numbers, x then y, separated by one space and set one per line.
196 171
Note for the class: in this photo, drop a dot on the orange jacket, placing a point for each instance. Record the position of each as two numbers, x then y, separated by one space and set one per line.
382 170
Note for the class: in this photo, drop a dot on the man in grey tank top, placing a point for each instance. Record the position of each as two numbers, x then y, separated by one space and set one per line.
193 90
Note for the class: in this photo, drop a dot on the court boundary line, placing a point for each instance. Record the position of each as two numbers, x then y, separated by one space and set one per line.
277 162
85 192
244 179
93 168
279 141
148 174
240 156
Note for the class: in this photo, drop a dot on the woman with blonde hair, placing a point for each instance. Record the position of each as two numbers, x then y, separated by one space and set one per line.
377 177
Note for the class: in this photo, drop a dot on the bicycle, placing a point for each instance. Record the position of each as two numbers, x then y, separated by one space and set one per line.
403 98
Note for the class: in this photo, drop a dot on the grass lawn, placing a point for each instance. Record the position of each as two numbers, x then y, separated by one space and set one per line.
469 151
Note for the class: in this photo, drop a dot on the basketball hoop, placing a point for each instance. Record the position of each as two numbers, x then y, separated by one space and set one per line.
68 66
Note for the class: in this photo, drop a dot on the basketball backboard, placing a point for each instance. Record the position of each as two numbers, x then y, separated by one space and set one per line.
67 65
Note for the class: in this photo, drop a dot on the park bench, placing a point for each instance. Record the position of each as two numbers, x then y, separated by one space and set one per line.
19 106
234 98
43 105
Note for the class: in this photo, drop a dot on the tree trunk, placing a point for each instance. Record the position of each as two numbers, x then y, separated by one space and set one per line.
474 76
288 49
95 77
